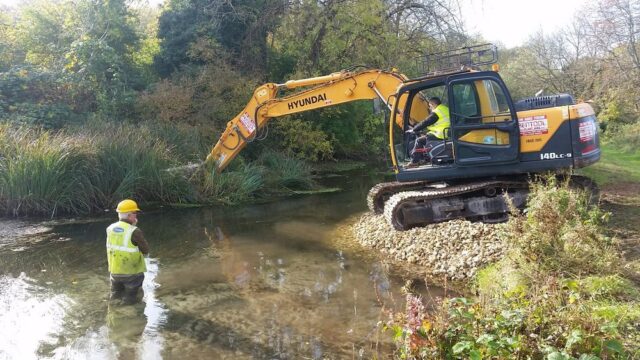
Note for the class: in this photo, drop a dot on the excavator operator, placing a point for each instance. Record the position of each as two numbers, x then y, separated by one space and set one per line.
436 123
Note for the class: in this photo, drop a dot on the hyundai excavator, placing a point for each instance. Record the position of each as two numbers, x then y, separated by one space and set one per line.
484 164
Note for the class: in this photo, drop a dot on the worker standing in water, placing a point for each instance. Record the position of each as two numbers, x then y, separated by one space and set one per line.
126 246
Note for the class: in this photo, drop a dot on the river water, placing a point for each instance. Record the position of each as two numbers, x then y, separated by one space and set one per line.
282 280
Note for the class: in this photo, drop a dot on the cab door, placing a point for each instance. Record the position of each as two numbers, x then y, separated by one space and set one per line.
484 124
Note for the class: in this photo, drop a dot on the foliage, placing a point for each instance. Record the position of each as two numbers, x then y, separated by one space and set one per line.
49 174
625 137
561 233
555 326
87 46
271 174
233 186
286 172
42 174
323 37
239 26
205 98
9 52
535 303
29 96
130 162
187 143
301 139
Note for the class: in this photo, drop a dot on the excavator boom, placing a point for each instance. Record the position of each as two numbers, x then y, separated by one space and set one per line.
334 89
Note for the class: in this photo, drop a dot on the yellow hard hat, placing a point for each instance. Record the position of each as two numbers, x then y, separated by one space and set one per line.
126 206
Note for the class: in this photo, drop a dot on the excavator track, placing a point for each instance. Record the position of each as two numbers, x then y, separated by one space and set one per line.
474 201
380 193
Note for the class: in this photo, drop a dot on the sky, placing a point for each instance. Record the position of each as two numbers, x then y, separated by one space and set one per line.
509 22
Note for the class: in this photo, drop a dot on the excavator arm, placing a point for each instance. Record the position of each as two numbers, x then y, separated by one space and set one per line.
334 89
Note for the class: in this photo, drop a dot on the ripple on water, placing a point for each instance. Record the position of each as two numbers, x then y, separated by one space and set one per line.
30 315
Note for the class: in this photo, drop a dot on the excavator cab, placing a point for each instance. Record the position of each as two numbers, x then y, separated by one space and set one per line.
484 132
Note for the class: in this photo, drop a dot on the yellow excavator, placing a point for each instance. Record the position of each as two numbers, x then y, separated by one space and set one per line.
490 149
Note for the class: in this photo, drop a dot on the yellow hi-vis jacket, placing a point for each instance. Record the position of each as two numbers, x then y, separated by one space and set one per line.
443 122
124 258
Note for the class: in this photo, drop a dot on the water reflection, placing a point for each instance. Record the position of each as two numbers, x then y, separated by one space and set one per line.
266 281
151 343
135 330
29 317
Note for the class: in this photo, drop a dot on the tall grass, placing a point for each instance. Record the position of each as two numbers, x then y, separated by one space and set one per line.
271 174
42 174
187 144
286 172
93 167
49 174
233 186
130 162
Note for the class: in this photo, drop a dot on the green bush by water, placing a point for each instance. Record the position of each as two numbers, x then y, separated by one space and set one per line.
271 174
90 169
286 172
130 162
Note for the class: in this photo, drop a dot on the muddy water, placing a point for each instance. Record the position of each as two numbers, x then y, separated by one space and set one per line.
272 281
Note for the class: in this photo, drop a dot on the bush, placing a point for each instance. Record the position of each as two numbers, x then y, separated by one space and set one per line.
232 186
536 302
624 137
35 97
286 172
300 139
561 233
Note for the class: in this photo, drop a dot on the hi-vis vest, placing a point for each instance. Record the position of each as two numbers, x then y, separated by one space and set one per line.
123 257
443 122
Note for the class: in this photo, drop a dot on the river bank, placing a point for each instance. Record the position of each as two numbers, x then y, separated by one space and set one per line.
560 281
455 249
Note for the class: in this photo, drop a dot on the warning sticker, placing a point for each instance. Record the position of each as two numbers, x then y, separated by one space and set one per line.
248 123
533 125
587 130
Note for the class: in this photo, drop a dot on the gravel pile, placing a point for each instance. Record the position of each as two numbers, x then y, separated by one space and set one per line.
455 249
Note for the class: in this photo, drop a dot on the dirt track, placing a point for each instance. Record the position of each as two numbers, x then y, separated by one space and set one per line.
622 200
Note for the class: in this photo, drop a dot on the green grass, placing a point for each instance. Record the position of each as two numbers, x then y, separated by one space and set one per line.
615 166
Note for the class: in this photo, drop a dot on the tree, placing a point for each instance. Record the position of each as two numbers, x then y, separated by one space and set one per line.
89 45
9 53
240 27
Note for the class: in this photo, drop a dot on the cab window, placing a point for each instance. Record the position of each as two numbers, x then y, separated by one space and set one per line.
496 97
466 99
480 102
